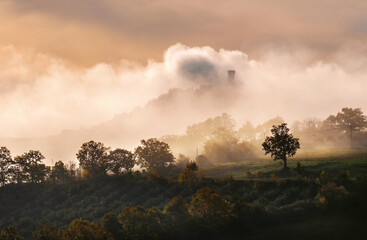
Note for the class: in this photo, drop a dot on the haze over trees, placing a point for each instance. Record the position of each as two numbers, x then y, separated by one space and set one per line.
111 201
348 119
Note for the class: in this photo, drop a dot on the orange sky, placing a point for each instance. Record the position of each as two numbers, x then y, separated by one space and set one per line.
89 31
72 64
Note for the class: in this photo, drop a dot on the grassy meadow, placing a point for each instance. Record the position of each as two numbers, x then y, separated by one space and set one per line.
333 161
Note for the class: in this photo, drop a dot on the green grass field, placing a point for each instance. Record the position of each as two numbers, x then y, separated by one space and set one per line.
333 161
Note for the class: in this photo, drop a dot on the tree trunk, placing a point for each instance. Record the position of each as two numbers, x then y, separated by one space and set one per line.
285 163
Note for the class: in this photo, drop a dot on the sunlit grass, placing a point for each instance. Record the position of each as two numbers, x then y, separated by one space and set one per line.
333 161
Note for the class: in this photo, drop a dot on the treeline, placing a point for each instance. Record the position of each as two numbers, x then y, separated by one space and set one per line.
220 141
217 140
95 160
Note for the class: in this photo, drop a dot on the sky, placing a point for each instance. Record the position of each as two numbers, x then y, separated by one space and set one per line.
74 64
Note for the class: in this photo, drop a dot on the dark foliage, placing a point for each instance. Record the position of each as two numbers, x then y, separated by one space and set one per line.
153 154
92 158
282 144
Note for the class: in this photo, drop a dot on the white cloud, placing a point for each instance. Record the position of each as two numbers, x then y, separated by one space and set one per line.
41 95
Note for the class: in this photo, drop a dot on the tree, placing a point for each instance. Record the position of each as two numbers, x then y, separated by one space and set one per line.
177 217
204 129
177 210
224 146
189 177
120 159
59 172
112 225
209 208
92 158
247 131
264 128
5 165
153 154
29 167
46 232
182 160
219 147
140 223
80 229
281 144
348 119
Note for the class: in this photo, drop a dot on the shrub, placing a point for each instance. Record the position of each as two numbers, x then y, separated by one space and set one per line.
140 223
10 233
80 229
299 169
330 193
46 232
209 208
189 177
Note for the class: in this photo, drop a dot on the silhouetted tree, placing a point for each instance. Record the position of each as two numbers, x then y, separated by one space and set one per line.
29 167
5 165
46 232
281 144
189 177
119 159
93 159
59 172
153 154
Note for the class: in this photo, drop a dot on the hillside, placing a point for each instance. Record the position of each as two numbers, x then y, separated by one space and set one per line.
274 205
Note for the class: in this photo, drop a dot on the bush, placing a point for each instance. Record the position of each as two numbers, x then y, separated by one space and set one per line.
208 208
10 233
140 223
80 229
46 232
330 194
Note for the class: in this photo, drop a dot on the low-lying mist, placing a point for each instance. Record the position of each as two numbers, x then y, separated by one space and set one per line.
122 103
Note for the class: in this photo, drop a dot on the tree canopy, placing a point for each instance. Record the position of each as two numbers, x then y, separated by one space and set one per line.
281 144
347 119
119 159
153 154
92 158
29 167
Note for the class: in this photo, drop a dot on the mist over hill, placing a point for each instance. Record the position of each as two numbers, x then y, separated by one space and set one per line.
170 113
